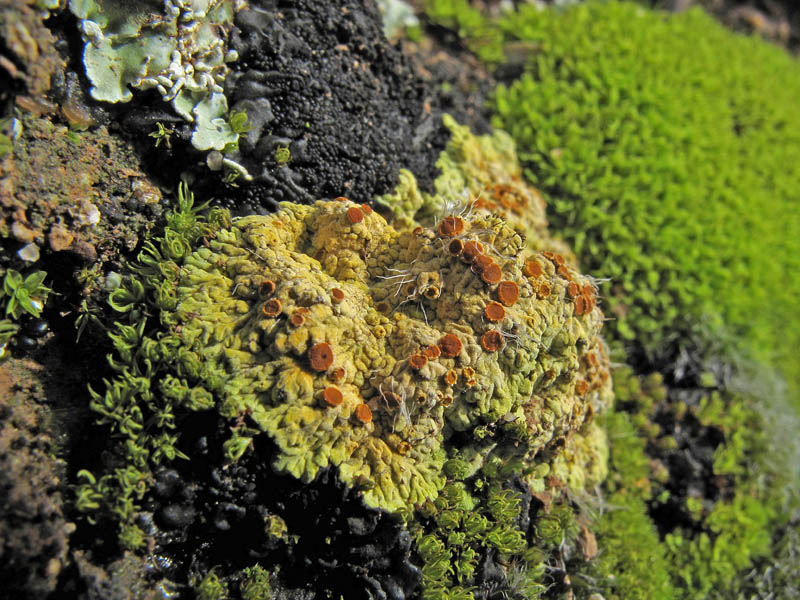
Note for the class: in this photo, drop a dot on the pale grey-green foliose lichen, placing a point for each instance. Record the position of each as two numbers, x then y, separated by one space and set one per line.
179 49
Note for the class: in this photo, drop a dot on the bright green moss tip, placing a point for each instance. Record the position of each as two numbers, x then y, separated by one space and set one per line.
255 584
668 150
212 588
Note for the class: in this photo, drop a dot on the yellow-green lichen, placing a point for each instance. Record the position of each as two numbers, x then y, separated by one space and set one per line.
478 172
400 321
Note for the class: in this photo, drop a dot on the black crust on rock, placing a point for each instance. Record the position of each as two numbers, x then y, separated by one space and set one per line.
208 514
321 78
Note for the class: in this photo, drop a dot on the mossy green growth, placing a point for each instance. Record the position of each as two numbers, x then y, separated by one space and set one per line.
720 540
25 294
713 557
632 561
672 172
211 587
471 24
139 405
20 295
457 529
255 584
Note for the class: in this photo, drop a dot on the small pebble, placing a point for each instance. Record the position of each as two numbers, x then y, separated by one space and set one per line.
25 343
29 252
37 328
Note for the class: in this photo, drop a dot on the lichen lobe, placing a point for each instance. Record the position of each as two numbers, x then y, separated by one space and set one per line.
374 303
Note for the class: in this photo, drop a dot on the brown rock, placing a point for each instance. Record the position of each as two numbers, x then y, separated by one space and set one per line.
85 250
60 238
22 232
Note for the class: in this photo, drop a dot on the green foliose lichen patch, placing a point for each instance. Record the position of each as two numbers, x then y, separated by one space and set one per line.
356 345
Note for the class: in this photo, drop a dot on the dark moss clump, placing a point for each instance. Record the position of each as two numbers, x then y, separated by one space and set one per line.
321 80
704 496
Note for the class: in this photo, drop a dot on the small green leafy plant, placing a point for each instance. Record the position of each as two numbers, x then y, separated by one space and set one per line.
163 133
283 155
139 404
25 295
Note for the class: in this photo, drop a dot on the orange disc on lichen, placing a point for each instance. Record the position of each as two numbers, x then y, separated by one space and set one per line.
480 262
296 319
447 401
588 290
451 226
548 254
272 308
492 341
573 290
332 395
450 345
491 274
544 290
367 209
494 312
337 374
471 250
363 413
580 305
337 295
342 199
581 387
532 268
354 215
469 372
432 352
320 356
432 292
455 247
507 292
266 289
450 377
559 260
564 272
417 361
